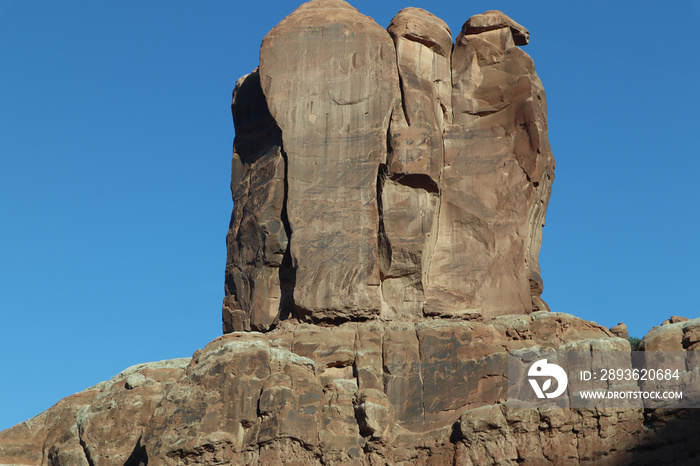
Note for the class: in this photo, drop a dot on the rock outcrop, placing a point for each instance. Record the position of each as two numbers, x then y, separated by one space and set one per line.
100 425
387 174
390 189
620 330
373 392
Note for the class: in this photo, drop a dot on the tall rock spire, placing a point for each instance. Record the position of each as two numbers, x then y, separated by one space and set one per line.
387 175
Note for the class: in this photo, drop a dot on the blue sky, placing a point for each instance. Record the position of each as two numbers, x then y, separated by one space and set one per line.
115 150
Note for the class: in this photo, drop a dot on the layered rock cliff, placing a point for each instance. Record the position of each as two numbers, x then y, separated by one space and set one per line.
389 190
375 393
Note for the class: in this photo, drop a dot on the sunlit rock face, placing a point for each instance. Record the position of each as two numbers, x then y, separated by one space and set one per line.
387 174
363 393
389 190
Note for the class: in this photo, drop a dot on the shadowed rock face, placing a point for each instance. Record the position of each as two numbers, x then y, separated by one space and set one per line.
258 237
387 174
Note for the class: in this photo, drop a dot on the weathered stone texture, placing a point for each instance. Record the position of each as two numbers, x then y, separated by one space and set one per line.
395 176
330 79
410 183
495 183
98 426
257 265
389 192
439 398
423 47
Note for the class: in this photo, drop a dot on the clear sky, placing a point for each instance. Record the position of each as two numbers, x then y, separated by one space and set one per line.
115 150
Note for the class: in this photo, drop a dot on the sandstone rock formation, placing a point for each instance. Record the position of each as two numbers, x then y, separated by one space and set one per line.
680 334
389 190
387 174
620 330
100 425
429 392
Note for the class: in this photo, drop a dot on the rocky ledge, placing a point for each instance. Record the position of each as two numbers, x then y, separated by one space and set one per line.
360 393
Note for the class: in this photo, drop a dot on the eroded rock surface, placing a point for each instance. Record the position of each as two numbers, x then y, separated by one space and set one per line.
330 79
396 175
496 179
101 425
389 191
620 330
360 393
258 267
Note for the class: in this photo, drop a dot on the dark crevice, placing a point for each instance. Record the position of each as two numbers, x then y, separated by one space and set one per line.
83 445
287 271
389 148
456 434
416 181
52 455
251 119
484 113
385 370
384 246
403 100
325 321
138 457
445 114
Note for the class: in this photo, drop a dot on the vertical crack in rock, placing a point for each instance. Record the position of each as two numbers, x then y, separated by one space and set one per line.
420 372
385 369
402 95
86 452
287 270
384 244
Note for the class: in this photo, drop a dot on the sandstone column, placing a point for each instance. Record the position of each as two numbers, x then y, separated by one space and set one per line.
257 240
496 179
330 79
410 185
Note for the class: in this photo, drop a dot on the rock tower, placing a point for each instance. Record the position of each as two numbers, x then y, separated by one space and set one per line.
387 174
389 189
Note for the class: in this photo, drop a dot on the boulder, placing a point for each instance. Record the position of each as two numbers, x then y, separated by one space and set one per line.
620 330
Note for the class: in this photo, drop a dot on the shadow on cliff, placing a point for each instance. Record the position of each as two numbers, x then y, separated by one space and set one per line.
668 437
138 457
